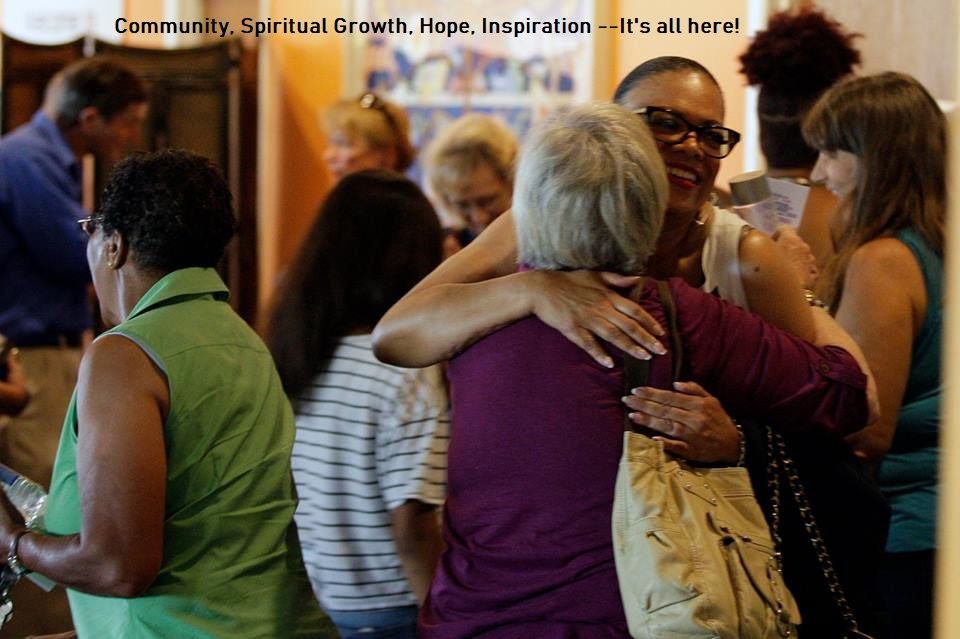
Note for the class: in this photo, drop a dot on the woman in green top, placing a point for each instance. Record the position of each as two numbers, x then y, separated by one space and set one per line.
882 142
171 506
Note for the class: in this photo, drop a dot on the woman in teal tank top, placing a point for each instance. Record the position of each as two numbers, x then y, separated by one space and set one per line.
171 506
882 142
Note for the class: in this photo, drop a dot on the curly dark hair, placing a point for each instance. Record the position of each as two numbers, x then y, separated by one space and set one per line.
794 61
375 237
173 207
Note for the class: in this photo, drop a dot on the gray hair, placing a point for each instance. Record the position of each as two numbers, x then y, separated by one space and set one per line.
590 192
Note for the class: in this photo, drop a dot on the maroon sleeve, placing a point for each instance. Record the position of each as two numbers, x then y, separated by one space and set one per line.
757 370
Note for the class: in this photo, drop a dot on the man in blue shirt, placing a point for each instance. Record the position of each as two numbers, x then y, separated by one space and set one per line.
96 107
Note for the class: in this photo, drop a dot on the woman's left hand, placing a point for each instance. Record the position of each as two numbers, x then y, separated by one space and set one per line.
693 422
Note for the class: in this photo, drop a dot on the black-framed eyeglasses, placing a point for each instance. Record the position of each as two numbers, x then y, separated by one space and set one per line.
671 128
373 101
89 224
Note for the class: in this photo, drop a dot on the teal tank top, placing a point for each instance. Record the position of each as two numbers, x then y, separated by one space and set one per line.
231 560
909 473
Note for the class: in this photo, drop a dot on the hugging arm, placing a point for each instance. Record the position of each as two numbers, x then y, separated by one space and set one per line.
476 291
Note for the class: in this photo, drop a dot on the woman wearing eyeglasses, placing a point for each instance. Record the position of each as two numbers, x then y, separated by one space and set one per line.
478 289
709 248
367 133
171 506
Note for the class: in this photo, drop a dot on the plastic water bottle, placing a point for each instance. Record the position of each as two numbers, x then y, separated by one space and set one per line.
28 496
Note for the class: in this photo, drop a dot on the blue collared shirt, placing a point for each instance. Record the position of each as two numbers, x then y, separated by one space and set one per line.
43 262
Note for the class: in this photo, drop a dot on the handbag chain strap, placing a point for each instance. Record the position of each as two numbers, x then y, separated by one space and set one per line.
777 457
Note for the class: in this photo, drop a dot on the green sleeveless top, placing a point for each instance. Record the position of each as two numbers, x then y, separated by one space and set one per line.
231 560
909 473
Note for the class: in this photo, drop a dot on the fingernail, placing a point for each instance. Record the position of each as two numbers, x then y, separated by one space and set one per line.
639 353
658 330
659 349
606 362
637 391
625 398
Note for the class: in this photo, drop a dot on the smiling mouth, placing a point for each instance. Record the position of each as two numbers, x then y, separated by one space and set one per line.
682 177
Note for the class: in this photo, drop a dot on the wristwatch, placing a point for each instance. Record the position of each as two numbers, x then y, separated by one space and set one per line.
13 558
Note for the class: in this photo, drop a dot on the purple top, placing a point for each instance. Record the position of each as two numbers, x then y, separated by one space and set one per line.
536 440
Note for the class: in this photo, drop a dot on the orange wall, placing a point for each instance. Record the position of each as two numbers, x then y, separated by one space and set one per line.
299 75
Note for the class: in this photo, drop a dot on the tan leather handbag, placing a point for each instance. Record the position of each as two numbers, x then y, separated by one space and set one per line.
694 554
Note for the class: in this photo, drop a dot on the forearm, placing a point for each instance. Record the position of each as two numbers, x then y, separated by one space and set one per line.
419 545
432 324
68 561
13 398
829 333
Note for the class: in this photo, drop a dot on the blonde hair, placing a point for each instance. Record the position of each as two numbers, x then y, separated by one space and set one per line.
591 191
465 144
378 122
898 133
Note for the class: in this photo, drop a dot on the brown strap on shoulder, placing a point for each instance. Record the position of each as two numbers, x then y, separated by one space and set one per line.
636 372
670 309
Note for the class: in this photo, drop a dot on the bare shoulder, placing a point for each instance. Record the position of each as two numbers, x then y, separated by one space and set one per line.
756 250
116 364
885 255
762 263
886 270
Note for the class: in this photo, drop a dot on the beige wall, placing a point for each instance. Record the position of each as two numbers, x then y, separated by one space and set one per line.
918 37
948 568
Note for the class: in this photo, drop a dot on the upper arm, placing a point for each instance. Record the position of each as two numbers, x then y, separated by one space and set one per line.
122 403
461 300
412 438
773 291
882 307
492 254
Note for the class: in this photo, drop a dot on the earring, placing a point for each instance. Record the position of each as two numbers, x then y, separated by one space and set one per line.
110 263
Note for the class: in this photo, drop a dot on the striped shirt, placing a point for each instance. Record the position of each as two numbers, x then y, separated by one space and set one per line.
369 437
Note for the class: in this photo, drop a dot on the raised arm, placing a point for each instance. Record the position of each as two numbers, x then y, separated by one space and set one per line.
122 402
477 291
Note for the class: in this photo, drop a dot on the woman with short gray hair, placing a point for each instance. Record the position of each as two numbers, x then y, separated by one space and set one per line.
617 176
539 424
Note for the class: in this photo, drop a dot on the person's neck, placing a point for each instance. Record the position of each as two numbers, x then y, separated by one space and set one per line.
72 134
680 245
133 284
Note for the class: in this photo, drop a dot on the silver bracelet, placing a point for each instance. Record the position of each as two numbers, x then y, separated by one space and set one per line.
742 457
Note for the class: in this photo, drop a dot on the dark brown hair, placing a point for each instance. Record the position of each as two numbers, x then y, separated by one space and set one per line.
96 82
898 133
375 236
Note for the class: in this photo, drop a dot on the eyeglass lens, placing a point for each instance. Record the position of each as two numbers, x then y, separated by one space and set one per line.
715 141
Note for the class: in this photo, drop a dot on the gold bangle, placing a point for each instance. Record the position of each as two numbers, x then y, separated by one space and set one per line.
813 300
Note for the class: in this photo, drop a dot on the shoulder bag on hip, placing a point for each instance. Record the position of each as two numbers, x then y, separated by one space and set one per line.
694 555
